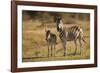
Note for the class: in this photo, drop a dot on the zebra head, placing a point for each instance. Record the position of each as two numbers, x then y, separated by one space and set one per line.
47 34
59 24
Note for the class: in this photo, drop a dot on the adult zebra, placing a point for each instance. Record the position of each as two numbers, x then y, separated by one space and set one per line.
72 33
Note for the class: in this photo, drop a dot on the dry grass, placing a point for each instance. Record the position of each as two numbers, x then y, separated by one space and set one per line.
35 47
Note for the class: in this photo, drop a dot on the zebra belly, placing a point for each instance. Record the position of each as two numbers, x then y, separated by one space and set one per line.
70 36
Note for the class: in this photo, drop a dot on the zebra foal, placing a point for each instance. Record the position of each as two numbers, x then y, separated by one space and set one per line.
72 33
51 42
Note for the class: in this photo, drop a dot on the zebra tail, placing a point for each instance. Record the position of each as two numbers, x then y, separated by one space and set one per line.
83 40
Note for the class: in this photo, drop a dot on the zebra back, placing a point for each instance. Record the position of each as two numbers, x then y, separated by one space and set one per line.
71 33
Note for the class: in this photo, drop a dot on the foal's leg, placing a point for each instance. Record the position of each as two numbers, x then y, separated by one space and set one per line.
48 50
51 50
54 49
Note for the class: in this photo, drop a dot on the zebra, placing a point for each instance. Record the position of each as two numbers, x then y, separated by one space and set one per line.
51 42
72 33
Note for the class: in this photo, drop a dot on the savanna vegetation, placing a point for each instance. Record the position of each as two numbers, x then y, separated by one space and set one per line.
34 46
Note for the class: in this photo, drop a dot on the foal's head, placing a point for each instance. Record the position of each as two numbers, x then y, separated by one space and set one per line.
47 34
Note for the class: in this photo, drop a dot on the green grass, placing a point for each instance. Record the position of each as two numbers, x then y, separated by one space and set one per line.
34 46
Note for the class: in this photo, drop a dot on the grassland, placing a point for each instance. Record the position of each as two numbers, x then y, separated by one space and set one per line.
34 46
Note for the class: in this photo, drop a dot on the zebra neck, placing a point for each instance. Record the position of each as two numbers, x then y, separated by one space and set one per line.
62 34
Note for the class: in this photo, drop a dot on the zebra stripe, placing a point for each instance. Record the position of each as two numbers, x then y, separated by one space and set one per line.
71 34
51 41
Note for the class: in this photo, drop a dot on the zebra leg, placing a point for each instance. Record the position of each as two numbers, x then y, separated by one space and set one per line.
51 49
64 46
75 47
54 49
80 41
48 50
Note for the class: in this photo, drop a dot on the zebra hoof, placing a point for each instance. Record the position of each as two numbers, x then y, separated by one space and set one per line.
80 54
74 54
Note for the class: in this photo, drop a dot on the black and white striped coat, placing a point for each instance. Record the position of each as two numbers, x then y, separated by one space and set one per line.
51 42
69 33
